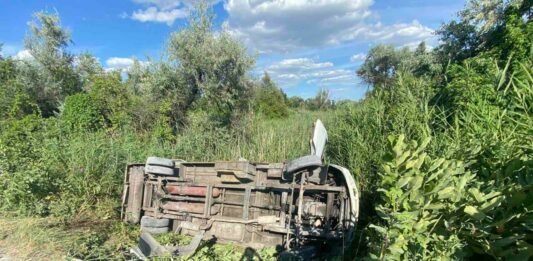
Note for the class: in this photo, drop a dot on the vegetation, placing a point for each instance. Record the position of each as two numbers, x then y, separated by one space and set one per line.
441 147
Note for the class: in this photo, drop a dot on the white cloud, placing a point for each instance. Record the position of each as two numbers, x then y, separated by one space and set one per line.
121 63
282 26
171 4
23 55
401 34
299 64
152 14
290 72
358 57
161 4
164 11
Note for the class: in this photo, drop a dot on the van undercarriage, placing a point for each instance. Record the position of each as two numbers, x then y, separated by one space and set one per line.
295 205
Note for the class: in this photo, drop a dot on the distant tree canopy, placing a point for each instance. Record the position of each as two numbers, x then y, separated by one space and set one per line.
271 100
384 61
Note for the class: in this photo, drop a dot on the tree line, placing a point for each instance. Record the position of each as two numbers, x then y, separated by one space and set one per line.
202 72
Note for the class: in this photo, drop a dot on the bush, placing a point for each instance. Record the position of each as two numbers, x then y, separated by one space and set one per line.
82 113
112 97
420 206
271 103
26 182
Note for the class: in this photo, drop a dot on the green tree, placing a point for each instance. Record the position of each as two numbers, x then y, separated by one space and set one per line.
14 100
321 101
502 27
49 76
82 113
86 67
271 99
112 97
296 102
381 63
214 66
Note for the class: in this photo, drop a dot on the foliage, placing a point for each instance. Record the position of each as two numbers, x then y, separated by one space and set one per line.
49 74
213 67
296 102
479 117
321 101
383 62
495 210
420 200
501 27
359 139
112 97
26 180
81 113
87 67
462 195
271 99
14 101
496 142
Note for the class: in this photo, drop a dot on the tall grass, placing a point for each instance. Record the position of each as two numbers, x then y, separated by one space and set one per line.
480 122
85 170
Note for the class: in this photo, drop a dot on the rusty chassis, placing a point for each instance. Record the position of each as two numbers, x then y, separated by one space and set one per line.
302 203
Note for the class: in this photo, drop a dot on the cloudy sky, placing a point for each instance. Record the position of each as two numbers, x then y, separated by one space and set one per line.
305 45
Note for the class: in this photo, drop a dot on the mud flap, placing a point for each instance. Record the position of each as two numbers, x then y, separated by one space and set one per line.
149 247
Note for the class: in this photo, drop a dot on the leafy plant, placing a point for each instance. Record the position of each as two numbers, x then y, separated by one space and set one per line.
420 199
82 113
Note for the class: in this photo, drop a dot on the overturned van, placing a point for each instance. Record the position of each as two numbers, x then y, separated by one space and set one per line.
301 206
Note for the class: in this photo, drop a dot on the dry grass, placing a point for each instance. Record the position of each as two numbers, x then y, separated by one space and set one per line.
33 238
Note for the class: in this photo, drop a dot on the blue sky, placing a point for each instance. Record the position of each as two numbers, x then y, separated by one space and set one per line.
305 45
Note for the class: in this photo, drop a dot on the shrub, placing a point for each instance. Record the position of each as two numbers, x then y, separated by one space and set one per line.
82 113
271 99
26 184
421 201
112 97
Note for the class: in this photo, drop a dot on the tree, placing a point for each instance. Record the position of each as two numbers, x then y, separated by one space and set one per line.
214 67
296 102
271 99
49 76
424 62
381 64
81 112
321 101
487 26
112 98
87 67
